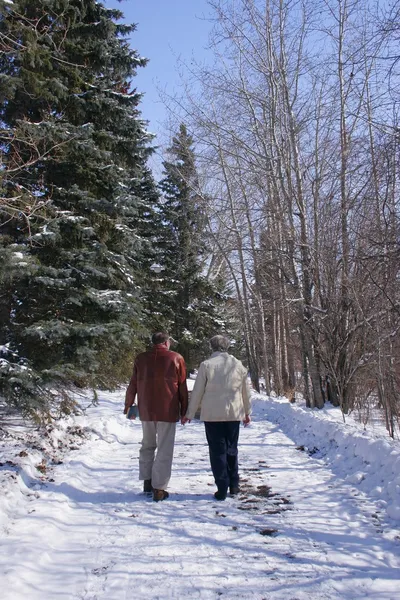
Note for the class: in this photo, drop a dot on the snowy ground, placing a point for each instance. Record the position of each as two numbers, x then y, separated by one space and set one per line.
318 516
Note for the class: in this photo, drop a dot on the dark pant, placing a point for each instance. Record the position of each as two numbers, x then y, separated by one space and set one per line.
222 438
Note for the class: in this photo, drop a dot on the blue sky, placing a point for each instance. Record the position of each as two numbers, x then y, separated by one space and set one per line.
166 30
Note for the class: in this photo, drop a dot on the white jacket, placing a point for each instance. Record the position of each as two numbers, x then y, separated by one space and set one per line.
222 389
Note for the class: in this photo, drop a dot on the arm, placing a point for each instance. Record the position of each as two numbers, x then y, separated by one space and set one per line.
246 394
131 391
197 393
182 388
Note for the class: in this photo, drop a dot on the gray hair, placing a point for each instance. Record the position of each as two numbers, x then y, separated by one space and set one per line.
160 337
219 343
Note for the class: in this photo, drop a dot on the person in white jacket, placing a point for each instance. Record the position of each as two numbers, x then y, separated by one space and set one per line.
222 390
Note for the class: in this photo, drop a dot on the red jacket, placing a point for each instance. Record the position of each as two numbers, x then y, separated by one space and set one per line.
159 380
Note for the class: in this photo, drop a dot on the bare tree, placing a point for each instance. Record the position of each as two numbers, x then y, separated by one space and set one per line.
298 140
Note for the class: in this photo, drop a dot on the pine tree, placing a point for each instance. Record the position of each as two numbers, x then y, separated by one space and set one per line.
70 308
152 231
193 302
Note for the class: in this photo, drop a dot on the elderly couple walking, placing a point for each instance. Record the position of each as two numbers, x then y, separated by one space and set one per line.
221 389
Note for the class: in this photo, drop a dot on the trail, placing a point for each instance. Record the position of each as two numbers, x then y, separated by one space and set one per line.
296 531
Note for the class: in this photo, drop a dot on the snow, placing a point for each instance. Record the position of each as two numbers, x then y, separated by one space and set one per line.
74 218
359 457
314 519
43 233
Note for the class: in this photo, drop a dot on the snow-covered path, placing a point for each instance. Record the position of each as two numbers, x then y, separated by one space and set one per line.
296 532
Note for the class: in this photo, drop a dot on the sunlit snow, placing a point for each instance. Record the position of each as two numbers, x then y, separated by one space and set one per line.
308 524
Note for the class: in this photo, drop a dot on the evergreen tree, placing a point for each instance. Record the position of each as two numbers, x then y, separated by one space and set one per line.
70 308
152 230
193 302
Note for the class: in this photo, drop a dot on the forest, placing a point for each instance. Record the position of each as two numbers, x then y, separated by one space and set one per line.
275 221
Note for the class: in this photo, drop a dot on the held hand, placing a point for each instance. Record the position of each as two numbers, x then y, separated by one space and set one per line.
246 420
185 420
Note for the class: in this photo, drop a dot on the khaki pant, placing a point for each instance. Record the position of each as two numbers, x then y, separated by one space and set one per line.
156 452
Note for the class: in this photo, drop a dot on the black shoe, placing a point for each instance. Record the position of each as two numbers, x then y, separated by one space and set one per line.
233 490
147 487
159 495
220 495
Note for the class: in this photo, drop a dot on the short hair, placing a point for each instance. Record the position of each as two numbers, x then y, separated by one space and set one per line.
160 337
219 343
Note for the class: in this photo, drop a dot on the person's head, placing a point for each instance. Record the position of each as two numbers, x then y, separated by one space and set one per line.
161 337
219 343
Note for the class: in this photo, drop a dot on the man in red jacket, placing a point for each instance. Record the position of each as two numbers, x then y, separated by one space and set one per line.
159 380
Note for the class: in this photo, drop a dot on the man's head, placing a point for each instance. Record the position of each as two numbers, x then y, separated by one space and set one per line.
161 337
219 343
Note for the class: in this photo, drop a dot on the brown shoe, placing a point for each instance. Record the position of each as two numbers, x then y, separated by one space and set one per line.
159 495
147 487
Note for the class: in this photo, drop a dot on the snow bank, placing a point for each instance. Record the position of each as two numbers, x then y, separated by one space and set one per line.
359 457
28 456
